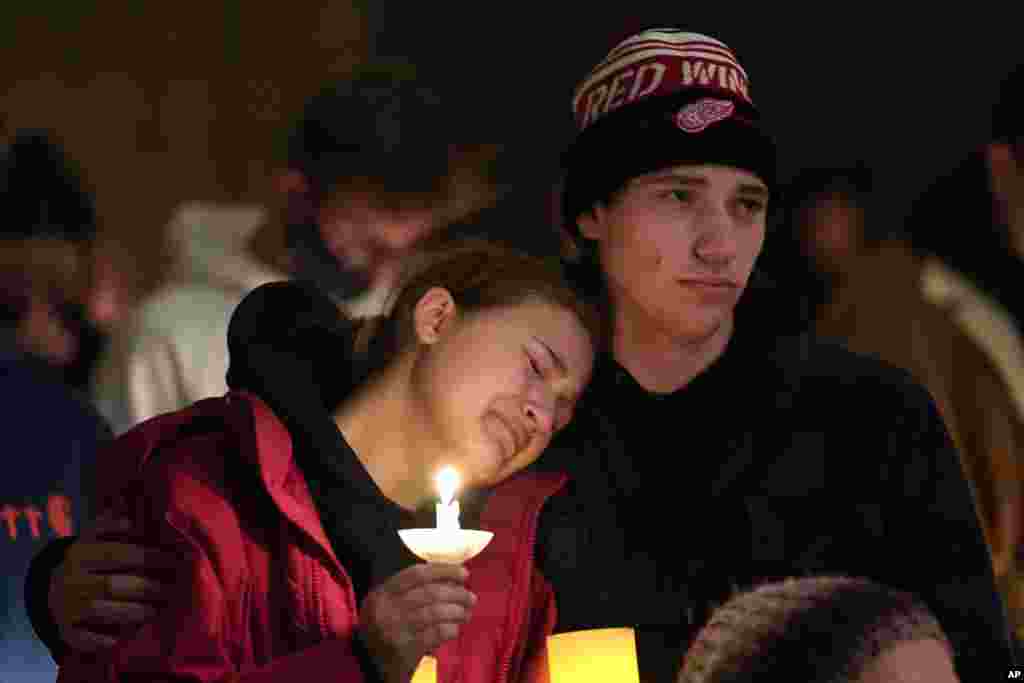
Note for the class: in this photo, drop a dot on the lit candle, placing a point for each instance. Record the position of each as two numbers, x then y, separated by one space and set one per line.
448 508
596 656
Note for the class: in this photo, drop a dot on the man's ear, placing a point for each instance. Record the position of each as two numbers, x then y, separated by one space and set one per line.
290 181
295 194
433 315
1002 167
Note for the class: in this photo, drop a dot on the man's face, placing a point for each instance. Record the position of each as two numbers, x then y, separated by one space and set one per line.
352 246
831 229
370 239
677 246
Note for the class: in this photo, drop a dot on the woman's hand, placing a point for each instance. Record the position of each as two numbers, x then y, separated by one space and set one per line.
411 614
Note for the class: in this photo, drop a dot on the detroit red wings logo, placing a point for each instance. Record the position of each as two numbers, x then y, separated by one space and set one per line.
696 116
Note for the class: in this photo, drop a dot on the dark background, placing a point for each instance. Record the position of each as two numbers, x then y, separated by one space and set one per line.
162 102
904 90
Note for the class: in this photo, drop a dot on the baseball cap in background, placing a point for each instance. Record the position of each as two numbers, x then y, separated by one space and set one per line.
382 129
660 98
1008 112
41 192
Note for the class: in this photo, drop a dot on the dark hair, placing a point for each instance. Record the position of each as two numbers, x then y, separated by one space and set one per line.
480 275
1008 112
15 298
381 131
288 334
812 630
855 181
854 184
42 193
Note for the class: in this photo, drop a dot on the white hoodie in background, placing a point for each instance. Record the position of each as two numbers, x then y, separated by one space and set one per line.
172 351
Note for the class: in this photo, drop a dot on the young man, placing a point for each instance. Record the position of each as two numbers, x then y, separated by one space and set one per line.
370 171
708 452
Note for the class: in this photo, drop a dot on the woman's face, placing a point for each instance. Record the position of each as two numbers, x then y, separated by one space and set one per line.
912 662
497 384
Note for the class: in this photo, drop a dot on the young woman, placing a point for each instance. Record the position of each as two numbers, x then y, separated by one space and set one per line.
821 630
286 494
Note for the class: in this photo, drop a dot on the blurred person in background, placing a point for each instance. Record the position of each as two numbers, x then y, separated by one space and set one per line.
968 228
969 225
371 169
866 294
51 432
821 630
50 239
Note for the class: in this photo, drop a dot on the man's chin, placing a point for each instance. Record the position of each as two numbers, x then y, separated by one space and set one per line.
700 327
315 263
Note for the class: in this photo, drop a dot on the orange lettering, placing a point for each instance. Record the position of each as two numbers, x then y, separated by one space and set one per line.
58 509
10 515
33 515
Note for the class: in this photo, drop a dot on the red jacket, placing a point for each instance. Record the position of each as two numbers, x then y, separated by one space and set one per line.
263 597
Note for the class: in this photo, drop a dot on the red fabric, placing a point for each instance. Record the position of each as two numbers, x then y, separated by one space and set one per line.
655 63
262 595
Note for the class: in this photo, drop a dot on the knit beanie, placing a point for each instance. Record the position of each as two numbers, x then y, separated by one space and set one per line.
661 98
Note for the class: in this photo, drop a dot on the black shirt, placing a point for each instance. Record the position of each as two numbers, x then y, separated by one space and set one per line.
786 457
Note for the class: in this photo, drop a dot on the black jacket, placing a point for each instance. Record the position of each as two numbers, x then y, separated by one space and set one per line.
786 457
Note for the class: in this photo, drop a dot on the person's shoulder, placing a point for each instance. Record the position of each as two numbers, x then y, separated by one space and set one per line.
821 366
208 442
189 318
42 396
188 304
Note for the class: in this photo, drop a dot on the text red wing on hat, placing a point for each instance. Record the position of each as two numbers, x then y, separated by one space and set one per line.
654 63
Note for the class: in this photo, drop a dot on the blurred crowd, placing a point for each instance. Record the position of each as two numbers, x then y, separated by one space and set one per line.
373 172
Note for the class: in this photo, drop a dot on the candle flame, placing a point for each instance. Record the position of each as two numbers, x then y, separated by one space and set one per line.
447 482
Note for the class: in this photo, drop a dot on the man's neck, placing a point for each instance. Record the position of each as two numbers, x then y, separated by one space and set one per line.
662 363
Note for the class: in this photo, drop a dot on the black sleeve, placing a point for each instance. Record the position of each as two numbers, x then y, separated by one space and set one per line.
371 674
936 547
37 589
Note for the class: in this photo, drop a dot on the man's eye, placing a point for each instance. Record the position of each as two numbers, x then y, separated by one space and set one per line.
684 196
753 207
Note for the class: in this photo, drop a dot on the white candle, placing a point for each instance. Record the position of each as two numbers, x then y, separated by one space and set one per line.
448 509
